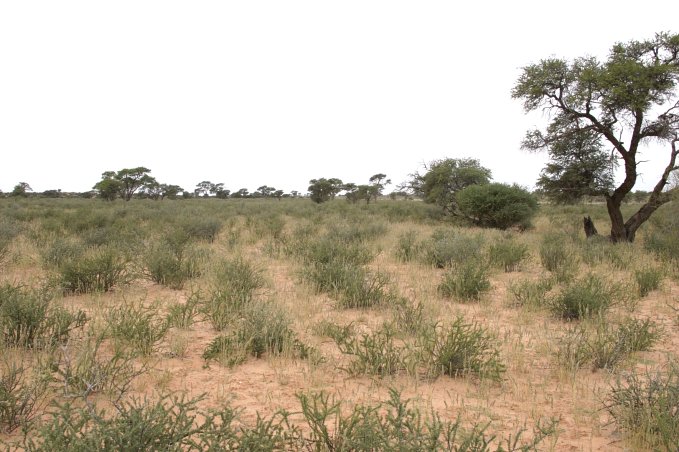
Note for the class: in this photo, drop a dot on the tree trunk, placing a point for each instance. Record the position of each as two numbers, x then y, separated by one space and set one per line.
590 230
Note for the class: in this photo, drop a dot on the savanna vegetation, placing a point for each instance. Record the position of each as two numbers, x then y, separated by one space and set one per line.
288 324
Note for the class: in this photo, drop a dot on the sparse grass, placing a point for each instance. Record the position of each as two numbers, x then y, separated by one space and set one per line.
408 248
646 407
446 248
530 294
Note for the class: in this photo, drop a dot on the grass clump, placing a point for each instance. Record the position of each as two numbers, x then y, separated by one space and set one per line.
462 349
508 255
530 294
557 257
182 315
407 248
582 298
172 266
262 328
648 278
466 281
646 407
446 248
603 346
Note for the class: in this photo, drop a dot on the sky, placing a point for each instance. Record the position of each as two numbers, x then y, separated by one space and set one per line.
251 93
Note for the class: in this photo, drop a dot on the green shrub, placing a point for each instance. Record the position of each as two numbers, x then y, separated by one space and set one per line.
497 205
603 346
462 349
530 294
21 396
82 370
375 353
182 315
648 279
61 251
233 287
96 271
27 319
556 256
450 247
170 266
646 407
262 328
585 297
135 326
466 281
408 317
508 255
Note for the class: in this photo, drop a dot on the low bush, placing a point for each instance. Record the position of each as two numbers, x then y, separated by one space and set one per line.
374 353
585 297
446 248
201 228
557 257
233 287
262 328
21 396
407 248
97 270
170 266
462 349
28 319
136 327
508 255
648 279
182 315
646 407
497 205
466 281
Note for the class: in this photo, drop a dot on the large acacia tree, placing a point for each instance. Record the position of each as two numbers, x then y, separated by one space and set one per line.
626 101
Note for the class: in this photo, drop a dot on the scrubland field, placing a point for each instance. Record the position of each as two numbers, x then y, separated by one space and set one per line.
267 325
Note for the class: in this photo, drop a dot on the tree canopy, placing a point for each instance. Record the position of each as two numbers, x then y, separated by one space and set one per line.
625 101
444 178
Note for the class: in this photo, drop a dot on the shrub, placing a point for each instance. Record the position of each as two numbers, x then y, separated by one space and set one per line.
233 287
181 315
497 205
466 281
8 231
462 349
586 297
21 396
83 370
605 347
201 228
27 319
96 271
408 317
647 407
448 247
508 255
262 328
61 251
375 353
136 326
172 267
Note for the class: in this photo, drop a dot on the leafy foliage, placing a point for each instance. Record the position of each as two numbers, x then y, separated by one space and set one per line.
497 205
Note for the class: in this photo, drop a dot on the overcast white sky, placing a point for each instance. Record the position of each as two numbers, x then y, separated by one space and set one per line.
279 92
